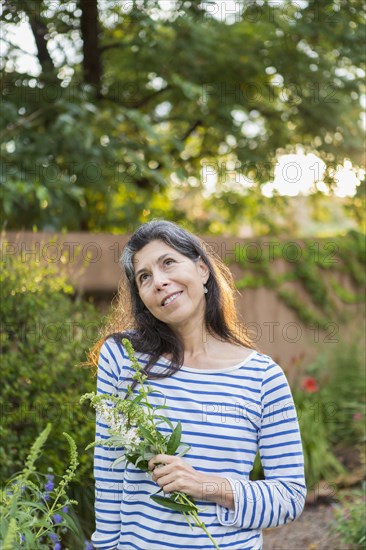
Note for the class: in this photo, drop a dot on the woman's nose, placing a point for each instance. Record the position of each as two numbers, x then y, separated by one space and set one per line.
160 281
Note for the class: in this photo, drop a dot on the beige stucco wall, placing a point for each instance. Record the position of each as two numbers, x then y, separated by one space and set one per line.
92 262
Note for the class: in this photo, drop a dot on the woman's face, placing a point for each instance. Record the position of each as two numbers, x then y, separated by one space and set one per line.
170 284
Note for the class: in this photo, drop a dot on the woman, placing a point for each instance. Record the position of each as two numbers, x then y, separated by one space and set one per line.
232 401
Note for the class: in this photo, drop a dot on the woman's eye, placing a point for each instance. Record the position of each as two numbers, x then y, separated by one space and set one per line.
143 277
169 260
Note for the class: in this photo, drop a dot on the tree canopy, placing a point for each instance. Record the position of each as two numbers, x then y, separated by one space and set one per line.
135 103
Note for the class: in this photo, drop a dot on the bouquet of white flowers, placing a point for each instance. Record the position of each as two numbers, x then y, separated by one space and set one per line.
133 425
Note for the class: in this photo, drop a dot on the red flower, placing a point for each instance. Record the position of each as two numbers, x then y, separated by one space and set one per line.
310 385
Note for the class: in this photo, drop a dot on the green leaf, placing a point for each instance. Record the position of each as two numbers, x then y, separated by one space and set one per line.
174 440
160 438
149 455
158 392
142 463
184 450
70 523
164 419
137 399
147 435
161 407
132 458
171 504
118 461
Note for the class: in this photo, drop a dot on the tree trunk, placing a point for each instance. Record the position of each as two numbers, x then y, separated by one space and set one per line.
39 30
90 34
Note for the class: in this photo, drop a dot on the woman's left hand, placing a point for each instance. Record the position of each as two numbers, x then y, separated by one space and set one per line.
172 473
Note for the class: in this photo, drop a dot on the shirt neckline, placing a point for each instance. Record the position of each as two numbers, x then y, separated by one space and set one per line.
210 371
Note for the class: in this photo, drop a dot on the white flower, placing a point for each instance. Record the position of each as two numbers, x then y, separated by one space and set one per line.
132 440
128 437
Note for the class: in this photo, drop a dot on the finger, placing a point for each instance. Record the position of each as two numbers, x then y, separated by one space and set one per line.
160 471
159 459
165 481
170 487
163 458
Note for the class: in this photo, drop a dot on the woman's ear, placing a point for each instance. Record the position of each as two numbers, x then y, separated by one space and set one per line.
204 270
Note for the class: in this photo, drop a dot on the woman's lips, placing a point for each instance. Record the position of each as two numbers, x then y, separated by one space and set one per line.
170 299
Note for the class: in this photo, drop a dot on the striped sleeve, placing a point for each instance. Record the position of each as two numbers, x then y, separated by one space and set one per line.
108 481
280 497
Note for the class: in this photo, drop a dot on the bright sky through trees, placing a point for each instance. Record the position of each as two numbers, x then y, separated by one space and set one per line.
293 174
223 114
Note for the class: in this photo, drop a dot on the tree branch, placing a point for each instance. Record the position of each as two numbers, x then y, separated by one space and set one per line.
106 47
39 30
192 129
148 98
19 124
139 103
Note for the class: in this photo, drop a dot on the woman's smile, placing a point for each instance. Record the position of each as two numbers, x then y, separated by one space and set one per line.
171 298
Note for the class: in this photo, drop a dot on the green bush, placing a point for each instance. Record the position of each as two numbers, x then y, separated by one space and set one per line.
349 520
319 458
345 387
45 334
34 512
329 396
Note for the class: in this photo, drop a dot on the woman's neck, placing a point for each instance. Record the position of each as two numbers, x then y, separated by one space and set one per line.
197 342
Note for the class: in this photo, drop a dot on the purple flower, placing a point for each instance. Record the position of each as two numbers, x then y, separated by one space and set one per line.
50 483
88 545
57 518
65 509
23 538
46 497
57 546
54 538
49 486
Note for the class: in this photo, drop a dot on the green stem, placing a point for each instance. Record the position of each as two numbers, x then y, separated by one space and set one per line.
200 524
50 511
185 499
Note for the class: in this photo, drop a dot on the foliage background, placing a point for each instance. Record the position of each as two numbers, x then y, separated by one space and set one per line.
44 340
45 334
133 105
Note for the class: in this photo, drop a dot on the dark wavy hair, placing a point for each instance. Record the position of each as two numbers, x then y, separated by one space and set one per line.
131 319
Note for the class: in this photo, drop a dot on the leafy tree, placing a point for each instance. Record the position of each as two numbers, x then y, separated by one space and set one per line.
135 100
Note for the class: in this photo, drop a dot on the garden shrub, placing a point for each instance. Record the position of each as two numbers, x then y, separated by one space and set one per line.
45 334
349 522
319 458
346 387
329 396
35 513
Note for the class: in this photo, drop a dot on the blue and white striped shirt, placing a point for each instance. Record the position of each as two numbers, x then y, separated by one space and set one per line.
227 415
